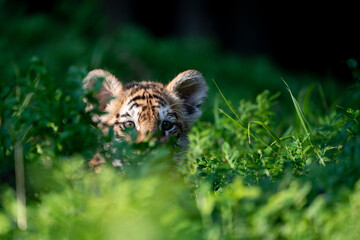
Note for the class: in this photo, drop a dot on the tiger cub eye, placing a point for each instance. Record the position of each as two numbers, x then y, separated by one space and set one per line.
166 125
128 124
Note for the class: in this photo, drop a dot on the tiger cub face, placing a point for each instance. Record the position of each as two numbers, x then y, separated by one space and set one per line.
148 107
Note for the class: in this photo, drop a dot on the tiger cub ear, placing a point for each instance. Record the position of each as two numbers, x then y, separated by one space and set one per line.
190 86
110 87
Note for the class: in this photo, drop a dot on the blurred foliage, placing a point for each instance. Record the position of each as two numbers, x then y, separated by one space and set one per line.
283 167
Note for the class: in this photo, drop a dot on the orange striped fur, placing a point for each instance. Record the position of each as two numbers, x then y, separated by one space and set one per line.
149 107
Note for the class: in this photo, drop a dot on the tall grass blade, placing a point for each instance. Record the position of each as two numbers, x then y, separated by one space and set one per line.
304 123
267 128
322 96
299 112
307 97
229 105
254 135
238 121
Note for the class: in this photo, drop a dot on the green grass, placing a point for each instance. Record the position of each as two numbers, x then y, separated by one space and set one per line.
269 159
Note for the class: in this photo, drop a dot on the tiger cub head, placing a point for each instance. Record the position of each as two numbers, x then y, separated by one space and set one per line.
148 107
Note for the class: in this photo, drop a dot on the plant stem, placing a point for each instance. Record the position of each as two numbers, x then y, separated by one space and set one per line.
20 186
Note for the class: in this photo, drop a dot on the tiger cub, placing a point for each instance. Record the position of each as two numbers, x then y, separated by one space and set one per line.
148 107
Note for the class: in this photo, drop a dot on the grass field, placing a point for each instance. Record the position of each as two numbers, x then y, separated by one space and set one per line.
276 154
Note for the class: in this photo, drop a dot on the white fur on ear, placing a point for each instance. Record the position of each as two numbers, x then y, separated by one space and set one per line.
190 86
110 87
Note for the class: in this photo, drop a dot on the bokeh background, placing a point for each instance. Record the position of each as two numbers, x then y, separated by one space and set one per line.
301 36
274 161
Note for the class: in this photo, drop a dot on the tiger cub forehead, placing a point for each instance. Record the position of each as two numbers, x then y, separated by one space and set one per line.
144 102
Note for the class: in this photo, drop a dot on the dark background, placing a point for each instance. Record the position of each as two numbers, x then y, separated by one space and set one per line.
297 35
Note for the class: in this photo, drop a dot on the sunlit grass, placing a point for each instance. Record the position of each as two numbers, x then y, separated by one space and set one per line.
255 167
